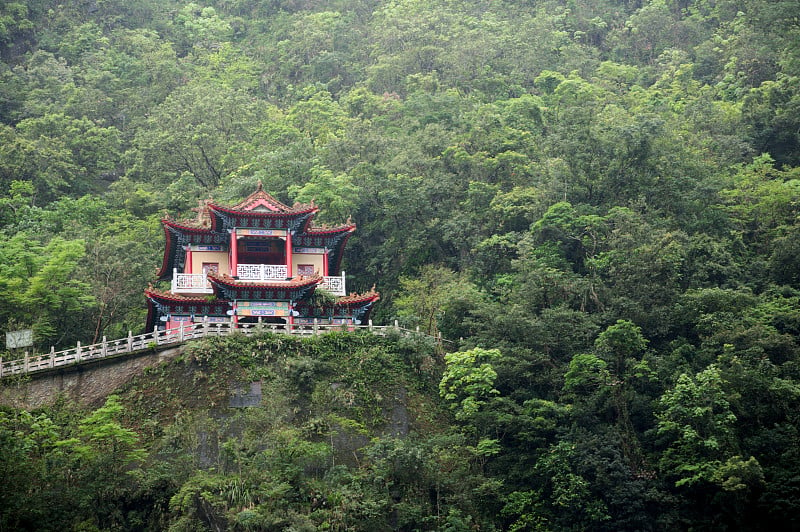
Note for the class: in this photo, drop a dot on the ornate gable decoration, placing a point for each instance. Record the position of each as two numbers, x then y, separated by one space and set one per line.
261 201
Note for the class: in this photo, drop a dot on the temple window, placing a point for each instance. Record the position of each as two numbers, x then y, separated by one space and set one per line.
305 269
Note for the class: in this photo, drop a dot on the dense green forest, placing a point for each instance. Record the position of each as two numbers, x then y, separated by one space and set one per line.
595 201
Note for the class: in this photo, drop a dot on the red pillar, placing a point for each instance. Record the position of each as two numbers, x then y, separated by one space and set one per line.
234 252
289 254
188 267
325 263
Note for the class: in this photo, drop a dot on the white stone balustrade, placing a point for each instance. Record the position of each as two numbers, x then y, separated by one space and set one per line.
190 283
334 285
262 272
167 338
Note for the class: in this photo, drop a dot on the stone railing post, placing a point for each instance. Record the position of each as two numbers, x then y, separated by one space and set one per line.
1 366
52 356
104 348
78 353
316 327
130 341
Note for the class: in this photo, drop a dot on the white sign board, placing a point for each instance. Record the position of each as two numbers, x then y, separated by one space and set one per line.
17 339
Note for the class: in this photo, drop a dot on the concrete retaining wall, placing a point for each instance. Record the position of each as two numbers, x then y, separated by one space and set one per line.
87 384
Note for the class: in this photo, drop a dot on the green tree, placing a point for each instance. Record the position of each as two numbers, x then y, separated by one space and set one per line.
763 200
58 154
623 346
337 193
568 496
318 116
103 452
40 290
697 419
203 131
468 380
437 300
27 460
201 27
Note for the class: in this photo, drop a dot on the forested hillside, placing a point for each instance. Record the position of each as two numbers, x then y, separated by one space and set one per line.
597 200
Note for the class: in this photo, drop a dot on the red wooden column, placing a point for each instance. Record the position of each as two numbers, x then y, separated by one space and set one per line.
188 266
325 263
289 254
234 252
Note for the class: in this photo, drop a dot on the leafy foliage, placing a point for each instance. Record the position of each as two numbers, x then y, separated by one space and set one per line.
595 203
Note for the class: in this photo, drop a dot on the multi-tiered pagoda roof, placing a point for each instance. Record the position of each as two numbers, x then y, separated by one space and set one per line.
258 257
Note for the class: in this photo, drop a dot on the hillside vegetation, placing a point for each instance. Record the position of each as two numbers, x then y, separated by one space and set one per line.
596 201
190 445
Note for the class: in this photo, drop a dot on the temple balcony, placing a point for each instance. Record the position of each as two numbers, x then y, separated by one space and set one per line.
279 272
190 283
334 285
262 272
197 283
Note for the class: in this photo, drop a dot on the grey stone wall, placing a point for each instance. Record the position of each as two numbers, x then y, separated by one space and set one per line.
88 384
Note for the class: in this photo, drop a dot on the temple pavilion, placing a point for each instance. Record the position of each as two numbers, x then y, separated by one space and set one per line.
259 261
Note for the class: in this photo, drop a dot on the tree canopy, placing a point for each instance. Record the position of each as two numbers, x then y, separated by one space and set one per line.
595 202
